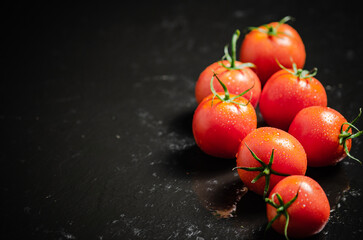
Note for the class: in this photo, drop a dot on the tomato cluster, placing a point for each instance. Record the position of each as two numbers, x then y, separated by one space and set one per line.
302 130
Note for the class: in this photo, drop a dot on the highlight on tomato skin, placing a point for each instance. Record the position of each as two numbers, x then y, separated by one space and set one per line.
280 155
297 207
276 40
325 135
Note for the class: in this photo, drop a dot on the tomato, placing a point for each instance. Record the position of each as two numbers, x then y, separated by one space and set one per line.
237 80
276 40
221 121
299 205
237 76
287 92
279 154
325 135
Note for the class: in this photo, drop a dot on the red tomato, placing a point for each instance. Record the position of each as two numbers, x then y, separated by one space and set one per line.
276 40
288 158
237 81
324 134
286 93
219 126
304 204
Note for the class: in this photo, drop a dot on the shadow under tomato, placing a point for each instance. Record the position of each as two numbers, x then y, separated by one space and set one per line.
260 121
194 161
332 179
251 210
219 193
216 185
182 123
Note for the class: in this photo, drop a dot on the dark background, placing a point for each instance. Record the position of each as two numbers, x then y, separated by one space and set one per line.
97 103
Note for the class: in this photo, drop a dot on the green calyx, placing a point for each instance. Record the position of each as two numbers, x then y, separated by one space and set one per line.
227 97
345 135
281 209
231 58
299 73
270 30
265 170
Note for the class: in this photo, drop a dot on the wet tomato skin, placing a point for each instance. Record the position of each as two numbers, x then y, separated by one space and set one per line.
284 95
262 49
318 128
219 127
308 214
289 156
237 81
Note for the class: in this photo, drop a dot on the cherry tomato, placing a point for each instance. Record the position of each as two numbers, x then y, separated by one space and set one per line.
287 92
266 156
325 135
237 80
221 121
276 40
297 207
237 76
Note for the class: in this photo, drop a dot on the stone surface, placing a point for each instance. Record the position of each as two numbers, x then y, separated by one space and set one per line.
98 104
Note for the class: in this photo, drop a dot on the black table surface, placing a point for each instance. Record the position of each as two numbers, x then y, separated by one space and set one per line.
97 105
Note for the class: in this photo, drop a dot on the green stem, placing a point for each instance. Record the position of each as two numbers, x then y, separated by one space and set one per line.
299 73
227 97
233 47
281 209
270 30
285 20
345 135
231 58
226 92
265 170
